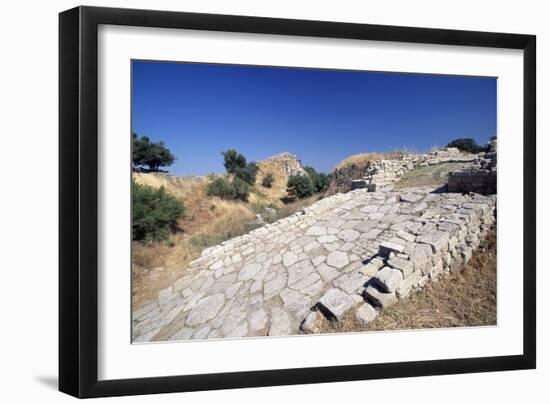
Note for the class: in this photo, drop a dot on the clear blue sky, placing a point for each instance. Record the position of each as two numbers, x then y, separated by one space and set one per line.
323 116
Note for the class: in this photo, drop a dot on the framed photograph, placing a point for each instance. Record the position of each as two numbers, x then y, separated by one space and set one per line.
250 201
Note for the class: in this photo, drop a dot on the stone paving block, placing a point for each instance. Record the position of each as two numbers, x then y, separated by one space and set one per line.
405 266
379 298
366 313
335 303
388 279
386 248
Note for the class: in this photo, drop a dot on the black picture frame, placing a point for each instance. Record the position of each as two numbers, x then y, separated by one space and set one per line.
78 201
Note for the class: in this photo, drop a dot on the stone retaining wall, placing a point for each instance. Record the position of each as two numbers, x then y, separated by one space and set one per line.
482 177
384 172
409 261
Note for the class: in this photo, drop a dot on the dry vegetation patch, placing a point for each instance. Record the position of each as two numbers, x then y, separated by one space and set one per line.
467 298
207 221
362 159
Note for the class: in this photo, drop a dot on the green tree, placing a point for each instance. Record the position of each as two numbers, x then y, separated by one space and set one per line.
233 161
468 145
301 185
319 180
151 154
154 212
267 181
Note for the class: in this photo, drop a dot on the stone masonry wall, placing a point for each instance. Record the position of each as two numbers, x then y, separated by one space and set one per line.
384 172
359 251
482 177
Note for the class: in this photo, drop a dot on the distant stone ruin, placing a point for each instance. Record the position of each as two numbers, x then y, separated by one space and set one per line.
290 163
383 172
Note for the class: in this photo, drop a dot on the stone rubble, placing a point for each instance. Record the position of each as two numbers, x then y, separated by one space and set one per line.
355 252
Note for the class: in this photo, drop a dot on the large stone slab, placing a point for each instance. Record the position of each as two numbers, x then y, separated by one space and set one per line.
335 303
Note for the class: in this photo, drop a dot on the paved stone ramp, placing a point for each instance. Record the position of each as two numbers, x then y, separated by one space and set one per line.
360 250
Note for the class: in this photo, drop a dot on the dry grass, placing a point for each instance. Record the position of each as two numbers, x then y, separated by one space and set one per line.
156 265
435 175
278 188
467 298
362 159
207 221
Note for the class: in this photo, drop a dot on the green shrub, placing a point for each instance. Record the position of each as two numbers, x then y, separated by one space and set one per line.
240 189
319 180
468 145
221 187
247 173
267 181
236 189
154 212
301 185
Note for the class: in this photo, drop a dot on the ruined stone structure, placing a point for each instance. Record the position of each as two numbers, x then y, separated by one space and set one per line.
290 163
356 252
482 177
384 172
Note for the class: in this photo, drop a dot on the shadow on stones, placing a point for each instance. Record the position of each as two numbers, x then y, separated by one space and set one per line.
325 312
443 189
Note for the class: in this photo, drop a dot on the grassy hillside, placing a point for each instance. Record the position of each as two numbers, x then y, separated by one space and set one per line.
207 221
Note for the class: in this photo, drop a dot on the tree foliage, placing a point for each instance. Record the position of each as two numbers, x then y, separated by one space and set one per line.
154 212
235 163
319 180
247 173
151 154
468 145
301 185
267 181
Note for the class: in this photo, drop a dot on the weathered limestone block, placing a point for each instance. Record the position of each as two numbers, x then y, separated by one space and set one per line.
309 325
406 235
280 322
365 313
404 265
351 283
335 303
437 239
408 284
371 268
205 309
337 259
378 298
386 248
